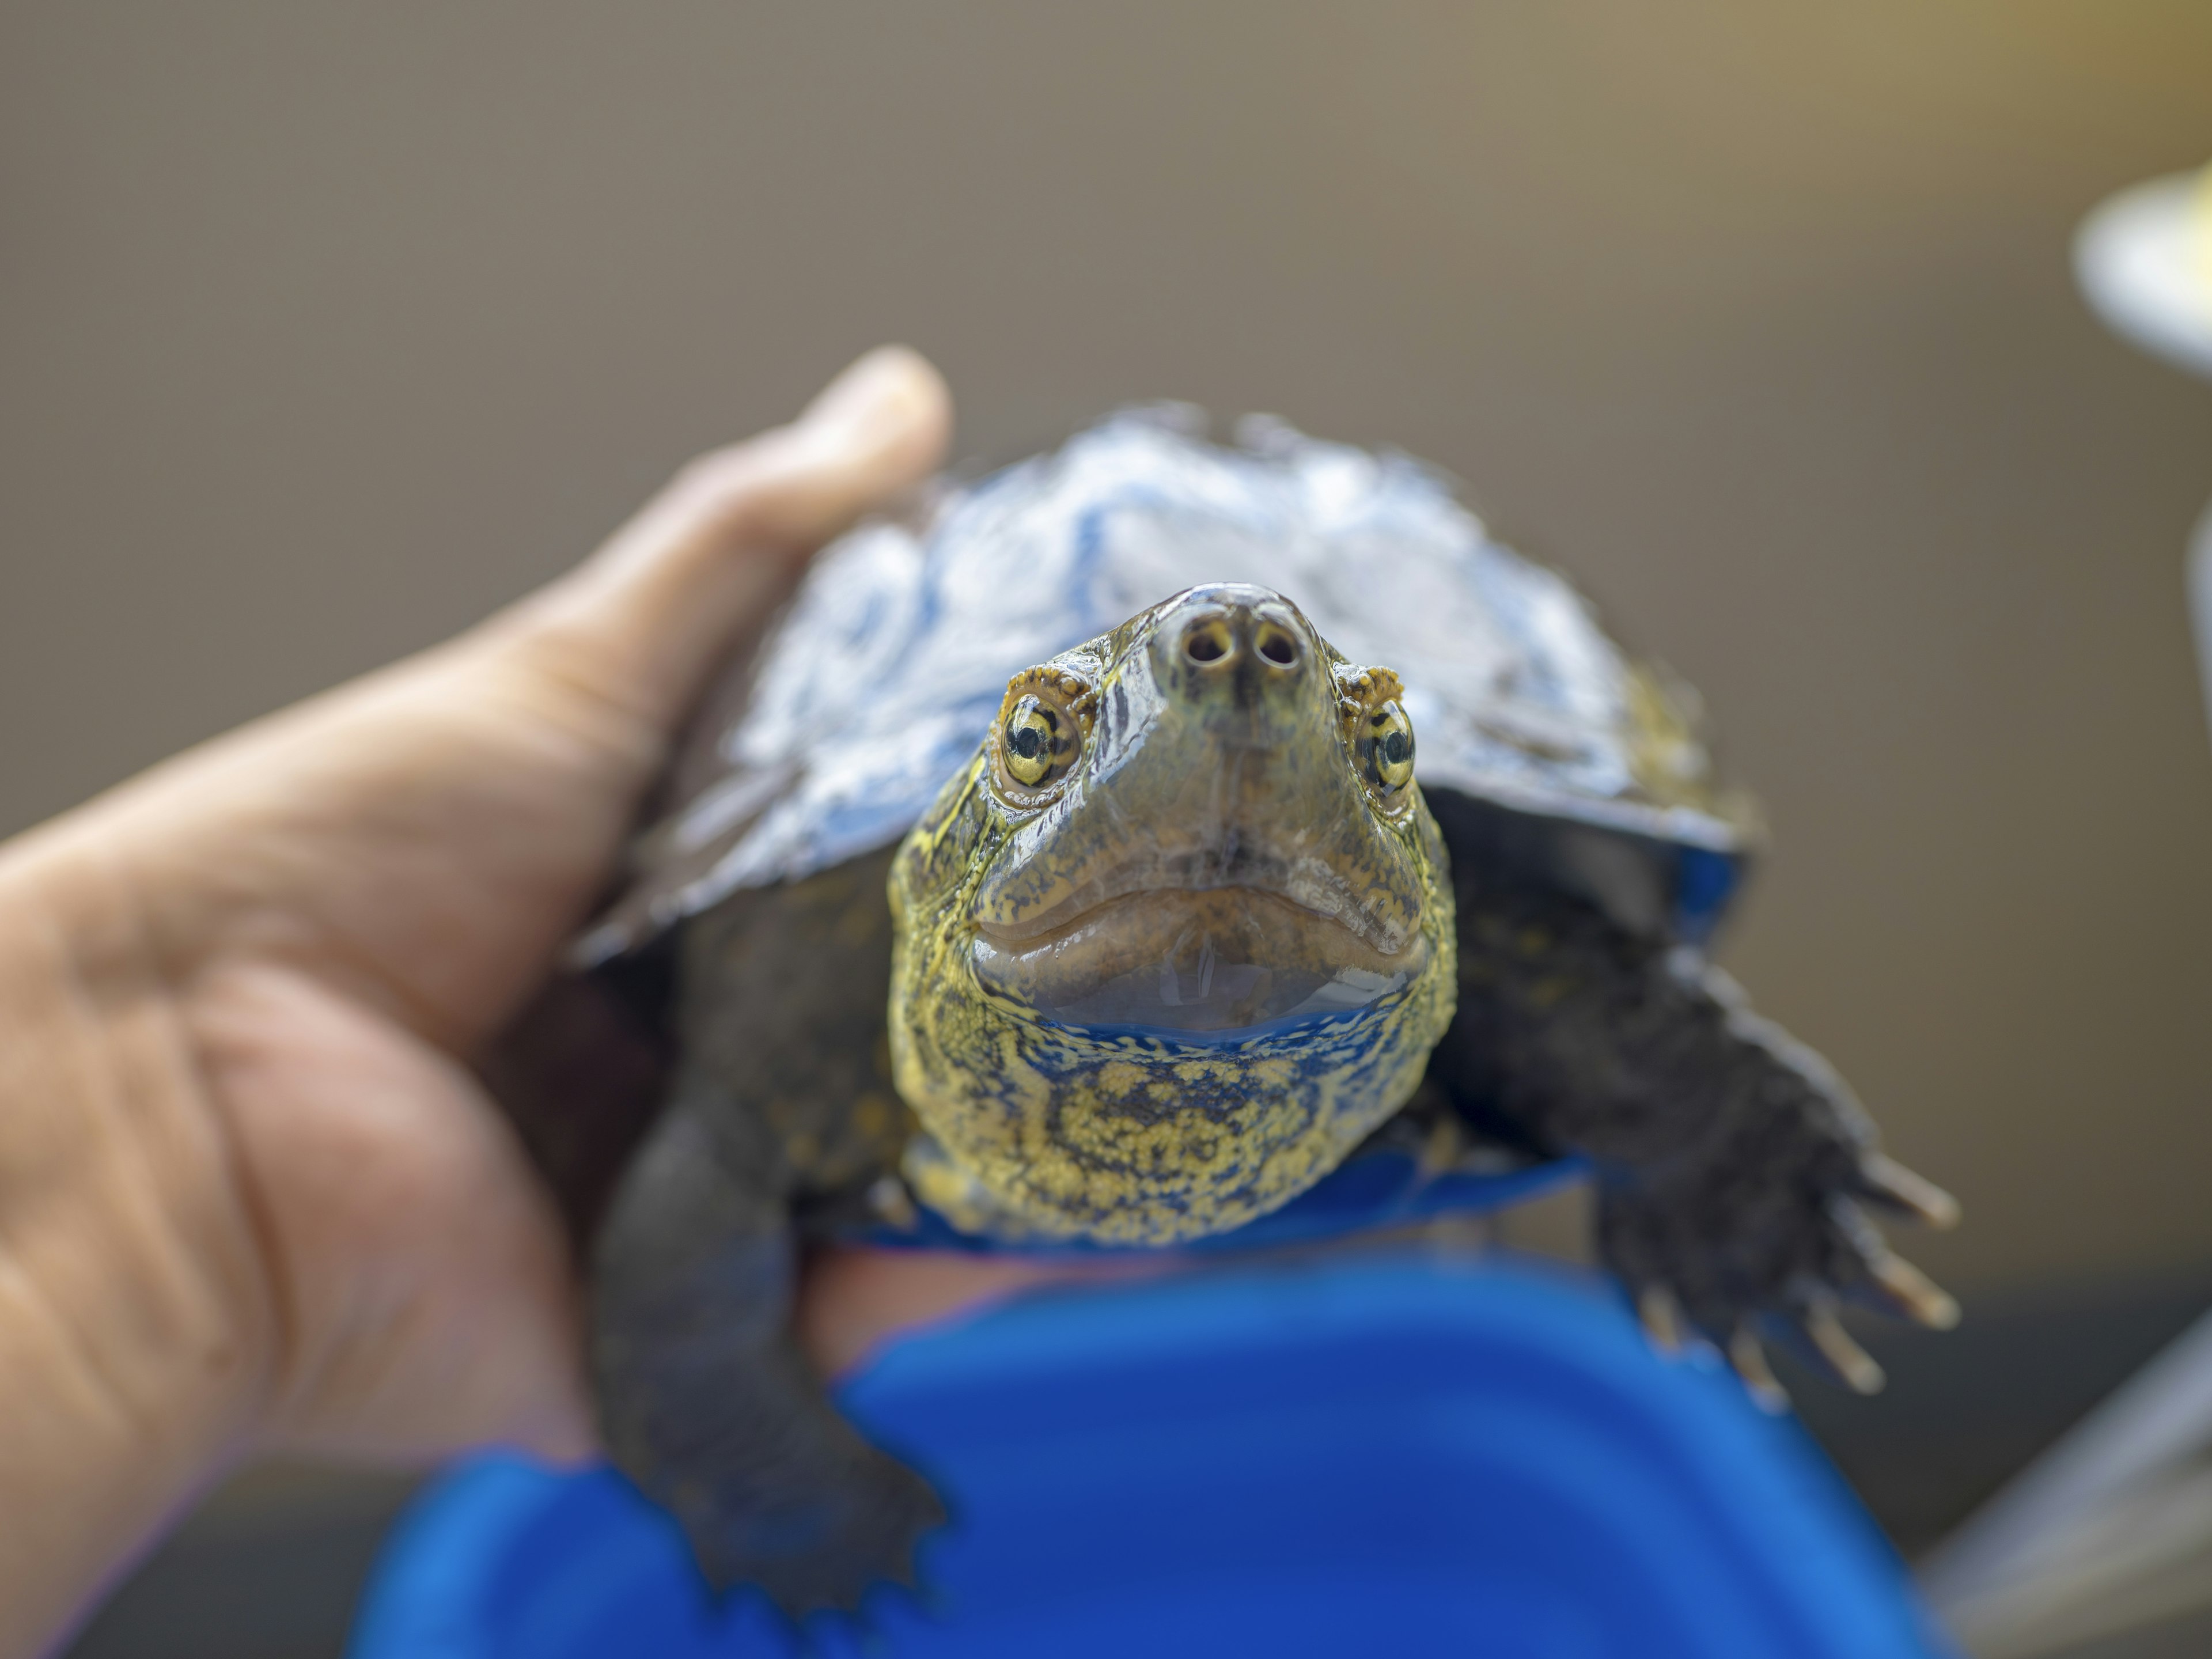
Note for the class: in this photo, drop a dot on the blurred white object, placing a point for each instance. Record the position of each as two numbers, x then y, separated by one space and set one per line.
2144 259
2110 1530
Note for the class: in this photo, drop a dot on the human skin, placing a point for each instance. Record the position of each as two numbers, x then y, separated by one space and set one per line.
252 1197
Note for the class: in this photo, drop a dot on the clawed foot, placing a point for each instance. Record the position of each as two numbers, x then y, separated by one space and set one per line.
817 1548
1730 1256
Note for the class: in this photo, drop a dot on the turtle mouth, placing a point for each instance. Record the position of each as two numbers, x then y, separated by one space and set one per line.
1218 960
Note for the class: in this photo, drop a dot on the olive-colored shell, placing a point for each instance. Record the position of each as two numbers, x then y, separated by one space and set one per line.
889 664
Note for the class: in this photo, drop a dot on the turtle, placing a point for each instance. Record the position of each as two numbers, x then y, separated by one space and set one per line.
1156 846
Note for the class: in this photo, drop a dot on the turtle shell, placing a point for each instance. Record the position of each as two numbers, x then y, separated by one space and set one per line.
890 663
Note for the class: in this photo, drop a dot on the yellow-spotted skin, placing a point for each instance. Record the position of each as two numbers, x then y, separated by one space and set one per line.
1187 781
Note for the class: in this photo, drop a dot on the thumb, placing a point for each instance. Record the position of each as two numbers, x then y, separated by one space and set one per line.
643 622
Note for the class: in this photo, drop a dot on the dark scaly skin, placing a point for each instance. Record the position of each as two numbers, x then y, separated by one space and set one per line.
784 1105
705 1398
1730 1160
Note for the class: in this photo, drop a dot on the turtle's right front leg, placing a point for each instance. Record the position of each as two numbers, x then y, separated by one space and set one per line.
704 1398
1732 1164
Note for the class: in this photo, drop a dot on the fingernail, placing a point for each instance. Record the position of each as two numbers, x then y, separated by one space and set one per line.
882 391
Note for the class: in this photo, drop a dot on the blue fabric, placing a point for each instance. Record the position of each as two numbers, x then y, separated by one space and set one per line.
1358 1456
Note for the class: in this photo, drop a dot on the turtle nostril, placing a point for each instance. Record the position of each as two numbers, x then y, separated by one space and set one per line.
1206 641
1277 646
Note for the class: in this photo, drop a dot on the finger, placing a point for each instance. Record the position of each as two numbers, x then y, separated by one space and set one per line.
853 1301
643 622
557 1430
1749 1361
1896 1286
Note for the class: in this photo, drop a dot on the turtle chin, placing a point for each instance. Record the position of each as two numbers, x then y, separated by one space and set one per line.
1051 1076
1163 1066
1219 965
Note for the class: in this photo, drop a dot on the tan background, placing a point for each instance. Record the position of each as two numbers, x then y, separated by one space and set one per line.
322 331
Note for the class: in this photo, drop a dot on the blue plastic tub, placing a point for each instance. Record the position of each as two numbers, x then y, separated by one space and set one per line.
1350 1457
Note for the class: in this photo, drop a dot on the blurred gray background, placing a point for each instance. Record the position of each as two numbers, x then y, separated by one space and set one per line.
324 330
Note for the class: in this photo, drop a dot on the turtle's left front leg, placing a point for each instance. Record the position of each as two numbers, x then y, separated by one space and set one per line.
1733 1165
705 1398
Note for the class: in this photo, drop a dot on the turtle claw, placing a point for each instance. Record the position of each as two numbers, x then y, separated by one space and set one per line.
1660 1312
1840 1355
1896 1286
1886 1182
1749 1359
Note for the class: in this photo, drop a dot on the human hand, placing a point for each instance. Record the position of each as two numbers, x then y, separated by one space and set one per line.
251 1195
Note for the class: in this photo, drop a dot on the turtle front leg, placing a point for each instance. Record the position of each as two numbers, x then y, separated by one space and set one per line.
1733 1166
705 1400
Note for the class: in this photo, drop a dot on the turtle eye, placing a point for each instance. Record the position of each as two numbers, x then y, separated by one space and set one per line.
1389 741
1040 731
1036 741
1028 738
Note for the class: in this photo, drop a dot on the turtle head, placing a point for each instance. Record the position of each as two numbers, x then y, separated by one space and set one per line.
1180 935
